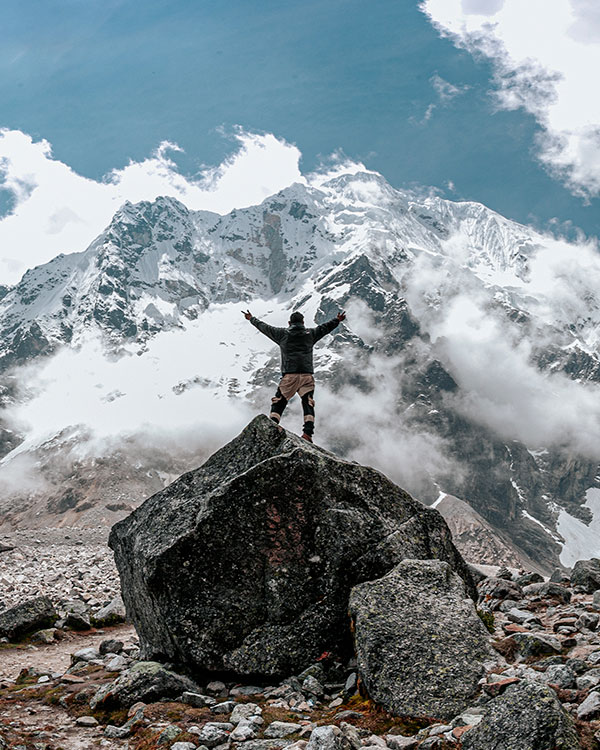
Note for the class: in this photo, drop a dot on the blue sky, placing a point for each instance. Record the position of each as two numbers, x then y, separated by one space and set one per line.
106 82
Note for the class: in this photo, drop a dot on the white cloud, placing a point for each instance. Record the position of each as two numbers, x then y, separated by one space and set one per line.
59 211
546 55
493 360
446 90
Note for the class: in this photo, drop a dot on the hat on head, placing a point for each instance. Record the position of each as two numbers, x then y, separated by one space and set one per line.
296 317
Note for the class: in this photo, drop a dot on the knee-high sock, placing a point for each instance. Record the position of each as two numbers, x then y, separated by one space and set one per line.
308 407
278 404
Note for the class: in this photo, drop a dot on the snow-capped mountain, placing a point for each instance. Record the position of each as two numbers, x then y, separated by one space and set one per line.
467 335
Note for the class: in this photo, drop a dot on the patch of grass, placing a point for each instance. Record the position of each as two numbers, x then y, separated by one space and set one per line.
487 618
507 647
373 717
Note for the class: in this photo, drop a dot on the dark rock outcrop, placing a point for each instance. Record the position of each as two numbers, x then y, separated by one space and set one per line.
24 618
420 644
526 716
246 564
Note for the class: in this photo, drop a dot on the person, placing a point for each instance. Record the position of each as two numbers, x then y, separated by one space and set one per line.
296 343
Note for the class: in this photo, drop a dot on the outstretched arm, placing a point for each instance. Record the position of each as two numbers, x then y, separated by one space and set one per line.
328 327
275 334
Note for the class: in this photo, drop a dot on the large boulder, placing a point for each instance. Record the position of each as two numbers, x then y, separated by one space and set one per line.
527 716
586 573
420 643
27 617
245 565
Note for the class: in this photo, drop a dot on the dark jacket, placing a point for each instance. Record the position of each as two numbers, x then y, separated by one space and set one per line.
296 343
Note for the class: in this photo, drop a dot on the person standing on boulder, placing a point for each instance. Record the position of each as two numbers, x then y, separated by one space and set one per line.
296 343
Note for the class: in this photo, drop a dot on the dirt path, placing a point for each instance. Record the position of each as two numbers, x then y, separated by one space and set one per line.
56 657
31 721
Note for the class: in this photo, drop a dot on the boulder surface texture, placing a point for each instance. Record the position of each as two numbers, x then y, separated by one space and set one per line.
527 716
245 565
420 643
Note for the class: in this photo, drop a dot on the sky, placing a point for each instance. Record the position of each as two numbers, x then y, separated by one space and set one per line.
113 100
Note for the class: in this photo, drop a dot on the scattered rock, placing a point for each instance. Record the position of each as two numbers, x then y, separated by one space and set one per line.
534 644
46 636
528 578
420 643
244 711
527 716
267 565
111 646
244 731
226 707
560 675
112 614
351 685
499 588
76 621
325 738
590 708
198 700
214 733
282 729
86 721
24 618
397 742
85 654
548 590
168 734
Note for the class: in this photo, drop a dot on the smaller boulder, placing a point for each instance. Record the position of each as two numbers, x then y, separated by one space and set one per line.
327 737
586 573
548 590
532 644
527 716
112 614
24 618
282 729
528 578
420 644
499 588
197 700
590 708
110 646
145 681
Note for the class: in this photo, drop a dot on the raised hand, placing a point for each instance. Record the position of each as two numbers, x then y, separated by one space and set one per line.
247 314
341 316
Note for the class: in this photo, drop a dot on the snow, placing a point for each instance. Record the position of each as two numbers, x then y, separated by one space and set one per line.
581 542
548 531
438 500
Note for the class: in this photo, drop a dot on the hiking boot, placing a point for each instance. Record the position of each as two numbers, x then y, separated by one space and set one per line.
306 437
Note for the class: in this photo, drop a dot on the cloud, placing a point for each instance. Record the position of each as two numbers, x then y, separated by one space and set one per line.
446 90
494 360
545 55
57 210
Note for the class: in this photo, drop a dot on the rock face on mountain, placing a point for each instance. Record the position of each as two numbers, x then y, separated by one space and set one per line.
420 643
245 565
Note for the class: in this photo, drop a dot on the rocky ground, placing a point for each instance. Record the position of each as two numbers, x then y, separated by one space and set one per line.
79 689
61 563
